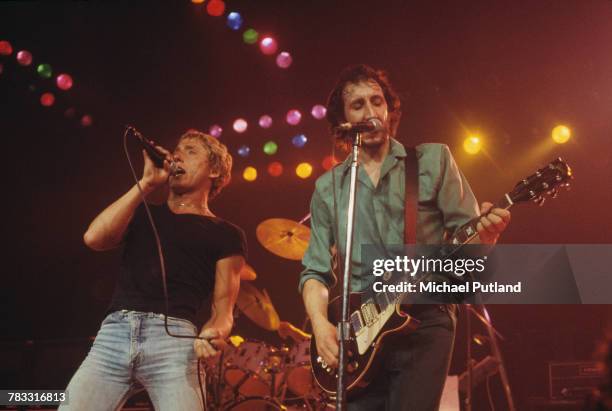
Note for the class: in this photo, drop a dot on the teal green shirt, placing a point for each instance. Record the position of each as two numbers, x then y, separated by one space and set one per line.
446 202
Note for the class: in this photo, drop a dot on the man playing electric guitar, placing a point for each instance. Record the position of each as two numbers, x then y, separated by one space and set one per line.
415 367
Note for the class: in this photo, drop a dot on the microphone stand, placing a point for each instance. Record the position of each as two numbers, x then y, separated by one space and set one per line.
493 334
344 325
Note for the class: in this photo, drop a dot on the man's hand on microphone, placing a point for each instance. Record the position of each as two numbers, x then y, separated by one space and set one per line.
211 343
153 177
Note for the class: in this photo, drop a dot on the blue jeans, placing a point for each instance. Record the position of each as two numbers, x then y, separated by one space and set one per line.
133 347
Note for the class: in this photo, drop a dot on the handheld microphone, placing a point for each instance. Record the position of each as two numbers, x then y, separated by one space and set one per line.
372 124
156 156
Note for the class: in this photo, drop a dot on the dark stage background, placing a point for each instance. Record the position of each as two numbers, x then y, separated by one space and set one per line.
509 70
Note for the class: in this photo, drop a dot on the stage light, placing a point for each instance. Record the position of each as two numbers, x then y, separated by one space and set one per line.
299 141
44 70
249 173
284 60
64 81
215 8
270 148
275 169
215 130
303 170
561 134
197 1
5 48
240 125
244 151
47 99
24 58
328 162
293 117
250 36
86 120
318 111
70 112
234 20
472 145
268 45
265 121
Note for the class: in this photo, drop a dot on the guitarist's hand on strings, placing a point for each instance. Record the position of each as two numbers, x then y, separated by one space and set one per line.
326 337
493 222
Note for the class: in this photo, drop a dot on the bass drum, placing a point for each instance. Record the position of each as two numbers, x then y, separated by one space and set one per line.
298 371
249 366
254 404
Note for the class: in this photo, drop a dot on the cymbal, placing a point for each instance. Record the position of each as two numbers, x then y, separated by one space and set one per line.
247 273
257 306
283 237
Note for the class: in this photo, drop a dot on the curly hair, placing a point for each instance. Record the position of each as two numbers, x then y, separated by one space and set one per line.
355 74
219 159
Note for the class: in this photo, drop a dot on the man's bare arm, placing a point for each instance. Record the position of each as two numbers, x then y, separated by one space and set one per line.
219 326
106 231
316 298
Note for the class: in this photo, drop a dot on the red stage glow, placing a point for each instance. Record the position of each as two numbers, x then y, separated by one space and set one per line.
47 99
328 162
275 169
64 82
268 45
215 8
86 120
24 58
293 117
5 48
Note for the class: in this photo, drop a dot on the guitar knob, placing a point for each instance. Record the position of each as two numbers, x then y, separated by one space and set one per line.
319 359
352 366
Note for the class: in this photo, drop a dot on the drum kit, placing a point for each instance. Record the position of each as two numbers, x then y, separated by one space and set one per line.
250 375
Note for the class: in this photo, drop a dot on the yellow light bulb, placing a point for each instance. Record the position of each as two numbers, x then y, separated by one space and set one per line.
561 134
303 170
472 144
249 173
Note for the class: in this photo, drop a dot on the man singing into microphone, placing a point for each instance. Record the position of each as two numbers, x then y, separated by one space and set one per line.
414 367
203 255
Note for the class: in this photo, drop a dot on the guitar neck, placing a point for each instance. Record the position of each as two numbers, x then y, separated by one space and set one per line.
468 231
462 236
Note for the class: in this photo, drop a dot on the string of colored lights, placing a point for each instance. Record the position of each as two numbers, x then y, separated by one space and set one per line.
268 46
63 81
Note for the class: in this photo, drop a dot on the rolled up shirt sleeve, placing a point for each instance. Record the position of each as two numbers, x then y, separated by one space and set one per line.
455 197
318 258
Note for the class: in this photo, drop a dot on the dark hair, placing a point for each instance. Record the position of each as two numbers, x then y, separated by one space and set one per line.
355 74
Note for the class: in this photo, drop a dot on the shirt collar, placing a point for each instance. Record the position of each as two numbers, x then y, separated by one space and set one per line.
396 149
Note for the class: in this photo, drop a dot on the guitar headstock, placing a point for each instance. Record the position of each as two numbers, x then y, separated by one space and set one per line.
544 182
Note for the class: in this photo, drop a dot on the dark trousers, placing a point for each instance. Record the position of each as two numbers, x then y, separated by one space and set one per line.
414 366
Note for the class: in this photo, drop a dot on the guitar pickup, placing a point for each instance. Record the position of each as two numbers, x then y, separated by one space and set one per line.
356 321
369 312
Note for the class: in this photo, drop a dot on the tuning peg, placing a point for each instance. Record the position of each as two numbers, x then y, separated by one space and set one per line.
539 200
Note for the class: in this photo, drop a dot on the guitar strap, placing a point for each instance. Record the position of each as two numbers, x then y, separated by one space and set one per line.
411 201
